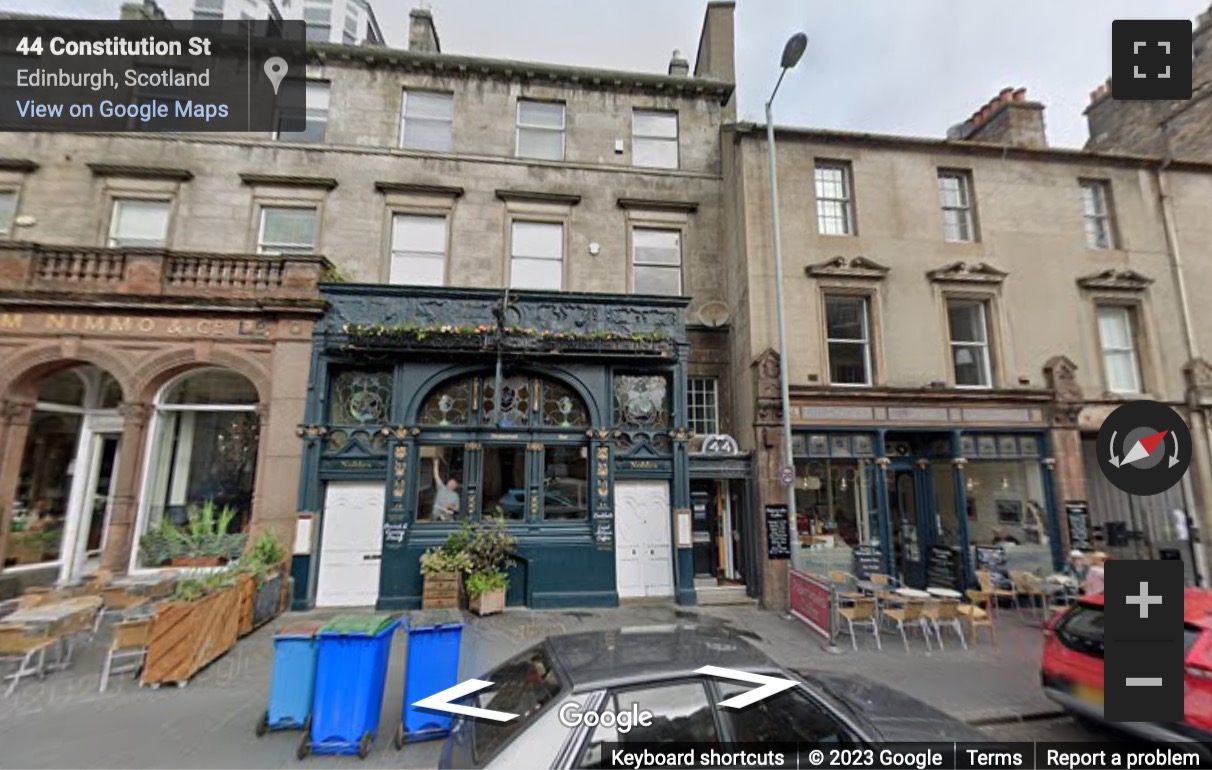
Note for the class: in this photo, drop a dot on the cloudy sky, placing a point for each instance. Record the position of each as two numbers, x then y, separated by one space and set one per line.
892 66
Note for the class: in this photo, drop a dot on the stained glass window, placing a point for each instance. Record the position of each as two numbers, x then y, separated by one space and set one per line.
514 408
562 408
641 401
450 404
360 397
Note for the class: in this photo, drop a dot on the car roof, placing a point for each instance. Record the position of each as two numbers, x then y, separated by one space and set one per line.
1197 606
622 656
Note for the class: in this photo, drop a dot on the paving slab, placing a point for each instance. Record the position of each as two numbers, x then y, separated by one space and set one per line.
64 722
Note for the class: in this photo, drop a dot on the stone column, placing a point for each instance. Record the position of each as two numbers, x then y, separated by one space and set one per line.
15 417
1198 374
122 538
1065 438
768 418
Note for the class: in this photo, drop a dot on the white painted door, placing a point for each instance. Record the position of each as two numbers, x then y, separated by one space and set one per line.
351 545
643 539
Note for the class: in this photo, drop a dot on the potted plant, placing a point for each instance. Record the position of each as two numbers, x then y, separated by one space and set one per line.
441 567
489 549
197 625
158 544
205 541
261 575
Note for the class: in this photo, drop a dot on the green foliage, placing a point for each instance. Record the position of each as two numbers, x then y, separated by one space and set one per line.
204 536
490 545
413 331
480 583
437 560
334 274
195 587
158 544
268 549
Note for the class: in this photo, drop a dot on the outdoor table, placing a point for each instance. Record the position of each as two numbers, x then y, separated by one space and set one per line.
944 593
151 586
869 587
912 593
62 620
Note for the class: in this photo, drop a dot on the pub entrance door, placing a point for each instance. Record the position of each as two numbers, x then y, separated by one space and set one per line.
911 504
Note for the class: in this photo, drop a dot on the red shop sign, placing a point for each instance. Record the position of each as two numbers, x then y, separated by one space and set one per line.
810 602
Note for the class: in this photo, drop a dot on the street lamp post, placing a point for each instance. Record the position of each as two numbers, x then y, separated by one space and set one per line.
792 52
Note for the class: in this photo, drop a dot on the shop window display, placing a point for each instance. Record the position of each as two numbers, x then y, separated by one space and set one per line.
1006 507
835 512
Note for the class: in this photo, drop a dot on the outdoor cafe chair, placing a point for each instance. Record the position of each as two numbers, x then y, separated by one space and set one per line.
130 641
996 592
979 614
909 614
27 648
861 613
945 612
842 582
1025 585
115 601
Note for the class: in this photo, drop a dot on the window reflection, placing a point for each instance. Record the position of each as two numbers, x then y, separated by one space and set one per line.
503 483
565 483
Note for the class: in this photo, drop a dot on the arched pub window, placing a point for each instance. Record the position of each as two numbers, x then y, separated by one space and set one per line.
515 449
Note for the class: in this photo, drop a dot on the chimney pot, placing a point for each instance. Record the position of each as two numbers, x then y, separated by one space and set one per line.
678 66
1020 95
1005 94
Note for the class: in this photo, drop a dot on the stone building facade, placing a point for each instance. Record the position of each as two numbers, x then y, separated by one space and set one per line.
421 176
962 315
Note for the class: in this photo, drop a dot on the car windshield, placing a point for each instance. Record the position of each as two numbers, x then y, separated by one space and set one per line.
1191 635
1082 630
524 686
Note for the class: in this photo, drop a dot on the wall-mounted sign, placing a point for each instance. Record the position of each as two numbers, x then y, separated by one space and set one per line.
394 532
685 528
787 475
867 560
1077 512
720 444
778 532
304 529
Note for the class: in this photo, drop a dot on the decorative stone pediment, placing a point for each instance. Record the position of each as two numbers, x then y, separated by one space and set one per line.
1198 375
1061 375
857 267
767 364
1116 279
963 272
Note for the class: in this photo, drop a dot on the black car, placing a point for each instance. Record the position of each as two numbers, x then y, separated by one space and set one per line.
652 669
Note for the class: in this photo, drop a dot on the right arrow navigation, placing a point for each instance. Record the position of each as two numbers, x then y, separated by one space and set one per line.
769 685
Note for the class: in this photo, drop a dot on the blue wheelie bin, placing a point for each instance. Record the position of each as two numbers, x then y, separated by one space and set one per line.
351 674
294 678
432 666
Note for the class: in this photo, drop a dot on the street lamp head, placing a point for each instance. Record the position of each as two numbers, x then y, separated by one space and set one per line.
794 50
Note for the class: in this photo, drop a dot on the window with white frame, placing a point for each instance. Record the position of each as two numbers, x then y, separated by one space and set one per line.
317 14
350 35
139 224
1117 335
703 405
656 261
834 206
287 230
427 121
418 250
208 10
955 198
968 324
540 130
654 138
848 338
315 114
537 256
1096 214
8 212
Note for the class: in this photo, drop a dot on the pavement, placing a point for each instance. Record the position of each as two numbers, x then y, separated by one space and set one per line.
64 722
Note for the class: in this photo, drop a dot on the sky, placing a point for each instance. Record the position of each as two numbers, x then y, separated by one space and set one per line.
911 67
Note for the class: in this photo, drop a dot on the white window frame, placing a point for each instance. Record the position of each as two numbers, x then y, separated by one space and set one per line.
703 404
981 348
963 209
846 201
402 256
865 340
1099 222
1129 315
111 239
404 119
309 113
520 127
273 249
9 223
513 255
679 267
638 138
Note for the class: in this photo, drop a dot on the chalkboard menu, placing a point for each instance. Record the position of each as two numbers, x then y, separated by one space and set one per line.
1078 514
991 557
943 569
867 559
778 532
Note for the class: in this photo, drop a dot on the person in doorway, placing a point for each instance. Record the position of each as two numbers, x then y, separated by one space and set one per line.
446 501
1076 568
1095 575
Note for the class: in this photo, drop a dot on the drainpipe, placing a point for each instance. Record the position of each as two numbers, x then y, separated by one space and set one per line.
1200 426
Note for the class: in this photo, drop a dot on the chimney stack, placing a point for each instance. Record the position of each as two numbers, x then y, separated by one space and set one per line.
1008 118
147 10
422 35
678 66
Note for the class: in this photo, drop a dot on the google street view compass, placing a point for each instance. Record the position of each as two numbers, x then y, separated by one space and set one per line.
1144 448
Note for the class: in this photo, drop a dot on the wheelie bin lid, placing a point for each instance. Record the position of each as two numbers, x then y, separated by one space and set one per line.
433 620
357 625
300 629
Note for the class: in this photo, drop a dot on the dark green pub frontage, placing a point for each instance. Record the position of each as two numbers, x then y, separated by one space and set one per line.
563 413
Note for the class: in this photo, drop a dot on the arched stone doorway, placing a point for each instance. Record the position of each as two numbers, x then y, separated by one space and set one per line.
66 479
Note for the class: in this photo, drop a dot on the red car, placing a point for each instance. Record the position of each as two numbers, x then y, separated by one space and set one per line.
1072 668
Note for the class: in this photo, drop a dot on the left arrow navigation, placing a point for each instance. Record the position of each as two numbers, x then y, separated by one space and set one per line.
442 702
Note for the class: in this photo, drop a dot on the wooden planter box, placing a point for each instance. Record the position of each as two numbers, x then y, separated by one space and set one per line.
441 591
489 603
186 636
258 604
197 561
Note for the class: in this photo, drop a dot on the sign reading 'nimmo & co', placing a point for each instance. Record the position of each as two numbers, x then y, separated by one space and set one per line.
151 326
